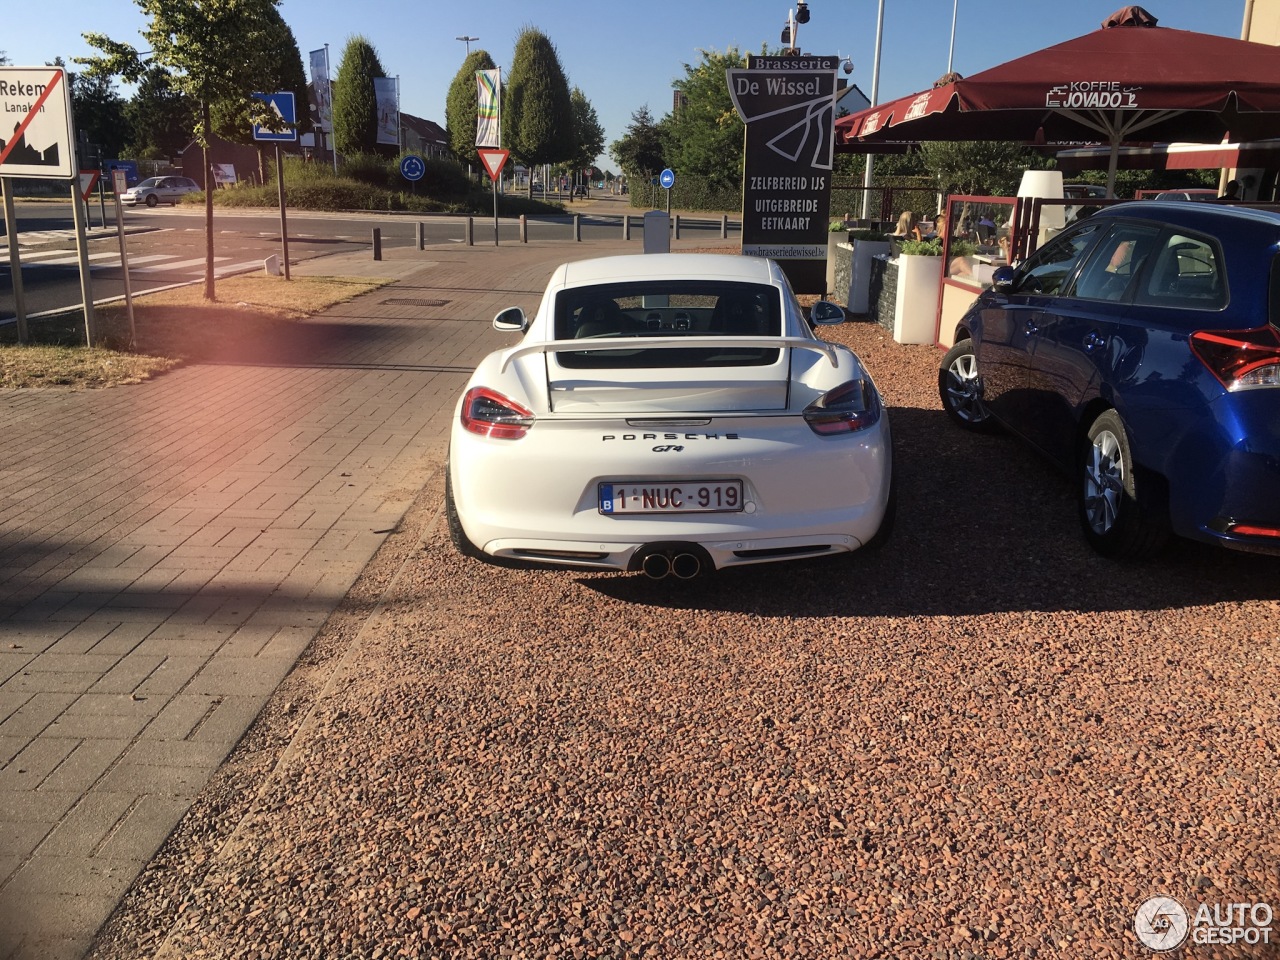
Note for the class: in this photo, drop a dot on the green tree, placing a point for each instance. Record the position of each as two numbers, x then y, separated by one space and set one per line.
460 107
236 124
704 136
100 113
537 114
979 167
161 118
216 52
640 150
355 103
588 134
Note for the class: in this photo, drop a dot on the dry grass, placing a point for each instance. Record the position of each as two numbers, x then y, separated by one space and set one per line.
77 367
171 326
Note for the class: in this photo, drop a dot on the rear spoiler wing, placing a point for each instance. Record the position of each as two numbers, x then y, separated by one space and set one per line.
828 350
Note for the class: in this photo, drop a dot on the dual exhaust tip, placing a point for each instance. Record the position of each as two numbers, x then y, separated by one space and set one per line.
659 564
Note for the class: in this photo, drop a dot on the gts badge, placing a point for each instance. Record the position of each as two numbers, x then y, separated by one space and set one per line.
668 448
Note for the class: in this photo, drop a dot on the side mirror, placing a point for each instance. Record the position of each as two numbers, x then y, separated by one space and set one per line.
824 313
511 320
1002 278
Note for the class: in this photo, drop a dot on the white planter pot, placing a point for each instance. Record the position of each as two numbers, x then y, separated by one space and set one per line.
915 318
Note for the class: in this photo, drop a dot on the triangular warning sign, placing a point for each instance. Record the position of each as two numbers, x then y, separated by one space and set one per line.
88 180
493 160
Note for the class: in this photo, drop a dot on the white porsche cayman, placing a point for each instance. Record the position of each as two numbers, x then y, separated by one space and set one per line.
668 413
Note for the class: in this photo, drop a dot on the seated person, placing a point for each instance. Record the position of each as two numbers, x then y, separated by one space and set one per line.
939 229
907 225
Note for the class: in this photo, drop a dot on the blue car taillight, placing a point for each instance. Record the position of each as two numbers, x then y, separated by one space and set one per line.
850 407
1240 359
490 414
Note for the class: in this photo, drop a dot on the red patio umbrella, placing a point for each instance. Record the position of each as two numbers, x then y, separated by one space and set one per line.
1130 81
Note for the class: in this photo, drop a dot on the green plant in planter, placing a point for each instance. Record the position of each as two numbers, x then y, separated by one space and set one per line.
837 226
922 248
873 235
933 248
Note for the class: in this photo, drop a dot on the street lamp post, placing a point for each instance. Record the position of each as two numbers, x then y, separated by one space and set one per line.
791 29
468 41
951 54
875 99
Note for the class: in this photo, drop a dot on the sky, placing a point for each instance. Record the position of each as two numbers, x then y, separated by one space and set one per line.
624 61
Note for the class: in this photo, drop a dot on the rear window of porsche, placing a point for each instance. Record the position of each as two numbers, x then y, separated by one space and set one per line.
677 308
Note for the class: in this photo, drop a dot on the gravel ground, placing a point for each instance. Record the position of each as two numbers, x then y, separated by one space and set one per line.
981 742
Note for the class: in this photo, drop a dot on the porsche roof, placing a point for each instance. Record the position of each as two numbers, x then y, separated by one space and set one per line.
669 266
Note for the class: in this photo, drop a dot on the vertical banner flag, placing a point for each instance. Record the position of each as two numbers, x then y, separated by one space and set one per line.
388 97
788 106
488 113
320 84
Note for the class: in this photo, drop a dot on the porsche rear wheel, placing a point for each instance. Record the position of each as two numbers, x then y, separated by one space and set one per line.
458 536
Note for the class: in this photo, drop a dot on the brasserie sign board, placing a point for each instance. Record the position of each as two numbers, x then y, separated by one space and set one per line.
788 106
36 138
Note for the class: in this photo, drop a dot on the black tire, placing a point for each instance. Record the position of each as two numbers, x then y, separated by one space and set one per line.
960 389
152 200
1121 512
458 536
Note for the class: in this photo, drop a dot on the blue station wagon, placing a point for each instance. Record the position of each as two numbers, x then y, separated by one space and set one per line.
1140 350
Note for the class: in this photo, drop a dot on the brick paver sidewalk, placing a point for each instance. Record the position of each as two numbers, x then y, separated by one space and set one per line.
167 550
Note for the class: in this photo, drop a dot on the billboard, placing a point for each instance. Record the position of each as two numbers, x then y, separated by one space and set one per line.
386 91
35 134
321 88
488 108
788 106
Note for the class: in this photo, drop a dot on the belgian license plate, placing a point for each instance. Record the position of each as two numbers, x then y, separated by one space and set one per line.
693 496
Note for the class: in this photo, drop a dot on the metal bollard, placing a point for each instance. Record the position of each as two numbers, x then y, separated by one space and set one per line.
724 227
470 233
422 235
524 228
577 226
626 226
377 243
676 225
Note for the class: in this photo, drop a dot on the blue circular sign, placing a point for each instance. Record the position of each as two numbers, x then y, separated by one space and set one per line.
667 178
412 168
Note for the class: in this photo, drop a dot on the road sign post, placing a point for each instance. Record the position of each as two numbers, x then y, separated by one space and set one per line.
284 224
15 261
413 169
282 105
41 145
119 184
668 180
494 159
80 212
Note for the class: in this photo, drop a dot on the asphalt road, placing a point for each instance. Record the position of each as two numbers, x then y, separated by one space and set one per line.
166 246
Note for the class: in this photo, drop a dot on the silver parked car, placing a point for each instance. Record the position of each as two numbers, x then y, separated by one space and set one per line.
156 190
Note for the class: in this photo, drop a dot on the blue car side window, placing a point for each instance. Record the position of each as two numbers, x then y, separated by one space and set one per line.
1048 268
1187 272
1115 262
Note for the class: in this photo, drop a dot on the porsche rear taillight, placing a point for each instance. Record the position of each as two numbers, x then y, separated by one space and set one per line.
1240 359
490 414
850 407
